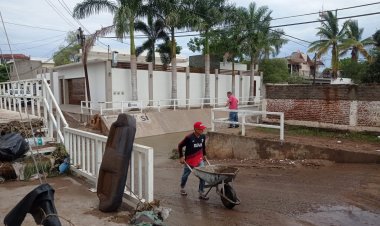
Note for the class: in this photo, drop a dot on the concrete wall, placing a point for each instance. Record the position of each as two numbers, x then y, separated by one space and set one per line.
158 123
229 146
120 83
354 107
26 69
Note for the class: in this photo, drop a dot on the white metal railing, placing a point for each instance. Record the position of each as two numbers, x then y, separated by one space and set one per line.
141 105
30 97
243 114
86 151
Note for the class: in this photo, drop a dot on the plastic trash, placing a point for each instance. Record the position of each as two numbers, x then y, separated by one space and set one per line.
64 166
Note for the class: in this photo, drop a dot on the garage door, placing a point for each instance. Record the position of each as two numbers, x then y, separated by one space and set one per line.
76 90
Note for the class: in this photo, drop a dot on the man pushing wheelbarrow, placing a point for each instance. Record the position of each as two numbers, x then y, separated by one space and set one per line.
195 153
213 175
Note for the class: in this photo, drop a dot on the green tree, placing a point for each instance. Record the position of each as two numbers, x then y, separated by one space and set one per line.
373 72
274 70
353 69
376 38
174 15
125 13
259 40
165 51
4 70
354 41
155 31
207 15
66 54
331 36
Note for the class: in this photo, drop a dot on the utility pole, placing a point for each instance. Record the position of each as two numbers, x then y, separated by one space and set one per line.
82 40
315 67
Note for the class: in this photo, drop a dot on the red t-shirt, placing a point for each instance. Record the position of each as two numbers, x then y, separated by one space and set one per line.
233 102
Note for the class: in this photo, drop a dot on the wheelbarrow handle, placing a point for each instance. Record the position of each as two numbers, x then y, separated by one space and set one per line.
188 167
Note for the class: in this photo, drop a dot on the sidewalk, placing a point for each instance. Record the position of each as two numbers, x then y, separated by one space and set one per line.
73 202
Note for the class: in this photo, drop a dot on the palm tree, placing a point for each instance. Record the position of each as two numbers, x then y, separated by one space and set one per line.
272 42
206 15
154 30
331 37
125 13
256 27
353 41
174 16
165 51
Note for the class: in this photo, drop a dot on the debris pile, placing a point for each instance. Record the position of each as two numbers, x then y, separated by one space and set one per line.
22 128
147 214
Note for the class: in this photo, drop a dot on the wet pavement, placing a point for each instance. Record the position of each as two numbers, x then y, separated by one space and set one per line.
271 194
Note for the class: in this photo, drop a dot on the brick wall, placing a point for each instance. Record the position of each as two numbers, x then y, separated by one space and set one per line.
350 105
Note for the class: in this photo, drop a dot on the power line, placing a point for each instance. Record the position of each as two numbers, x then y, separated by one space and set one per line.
318 21
338 9
42 28
22 43
59 13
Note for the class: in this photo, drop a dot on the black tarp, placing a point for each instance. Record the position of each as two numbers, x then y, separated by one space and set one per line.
12 147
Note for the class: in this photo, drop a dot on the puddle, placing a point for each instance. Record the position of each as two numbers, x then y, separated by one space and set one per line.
341 215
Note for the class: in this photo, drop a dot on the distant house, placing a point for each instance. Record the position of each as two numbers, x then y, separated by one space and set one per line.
301 64
5 58
29 68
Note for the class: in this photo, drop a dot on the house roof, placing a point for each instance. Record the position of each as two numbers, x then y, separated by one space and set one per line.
299 57
16 56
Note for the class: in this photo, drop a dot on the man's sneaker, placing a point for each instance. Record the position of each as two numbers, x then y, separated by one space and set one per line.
202 196
183 192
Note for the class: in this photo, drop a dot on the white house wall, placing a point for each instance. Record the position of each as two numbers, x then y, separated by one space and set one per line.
197 90
224 86
237 66
245 86
143 85
122 90
181 87
96 78
121 85
162 86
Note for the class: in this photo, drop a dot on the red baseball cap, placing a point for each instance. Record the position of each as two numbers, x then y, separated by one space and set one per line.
199 125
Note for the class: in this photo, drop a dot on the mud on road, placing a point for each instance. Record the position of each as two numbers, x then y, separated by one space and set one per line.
272 192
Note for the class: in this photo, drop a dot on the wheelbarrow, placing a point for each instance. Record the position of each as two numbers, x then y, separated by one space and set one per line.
219 175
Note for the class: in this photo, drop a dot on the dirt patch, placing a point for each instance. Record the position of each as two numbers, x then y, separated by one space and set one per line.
323 142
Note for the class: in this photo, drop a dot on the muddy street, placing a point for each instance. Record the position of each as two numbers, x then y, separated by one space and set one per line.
272 193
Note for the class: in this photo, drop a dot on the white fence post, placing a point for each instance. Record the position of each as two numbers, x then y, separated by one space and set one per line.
212 120
149 175
282 127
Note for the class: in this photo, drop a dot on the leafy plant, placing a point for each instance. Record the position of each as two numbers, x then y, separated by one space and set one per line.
354 70
275 70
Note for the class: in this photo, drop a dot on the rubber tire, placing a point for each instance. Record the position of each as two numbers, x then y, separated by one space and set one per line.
230 193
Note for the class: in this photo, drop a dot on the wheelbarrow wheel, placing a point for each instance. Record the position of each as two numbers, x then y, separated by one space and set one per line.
229 192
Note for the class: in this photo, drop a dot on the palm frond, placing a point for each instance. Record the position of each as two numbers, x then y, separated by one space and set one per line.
90 7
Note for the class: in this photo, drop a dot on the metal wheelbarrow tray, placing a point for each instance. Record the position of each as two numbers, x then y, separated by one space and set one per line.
215 175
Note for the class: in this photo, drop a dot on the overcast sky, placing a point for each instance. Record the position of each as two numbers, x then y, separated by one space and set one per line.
56 22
